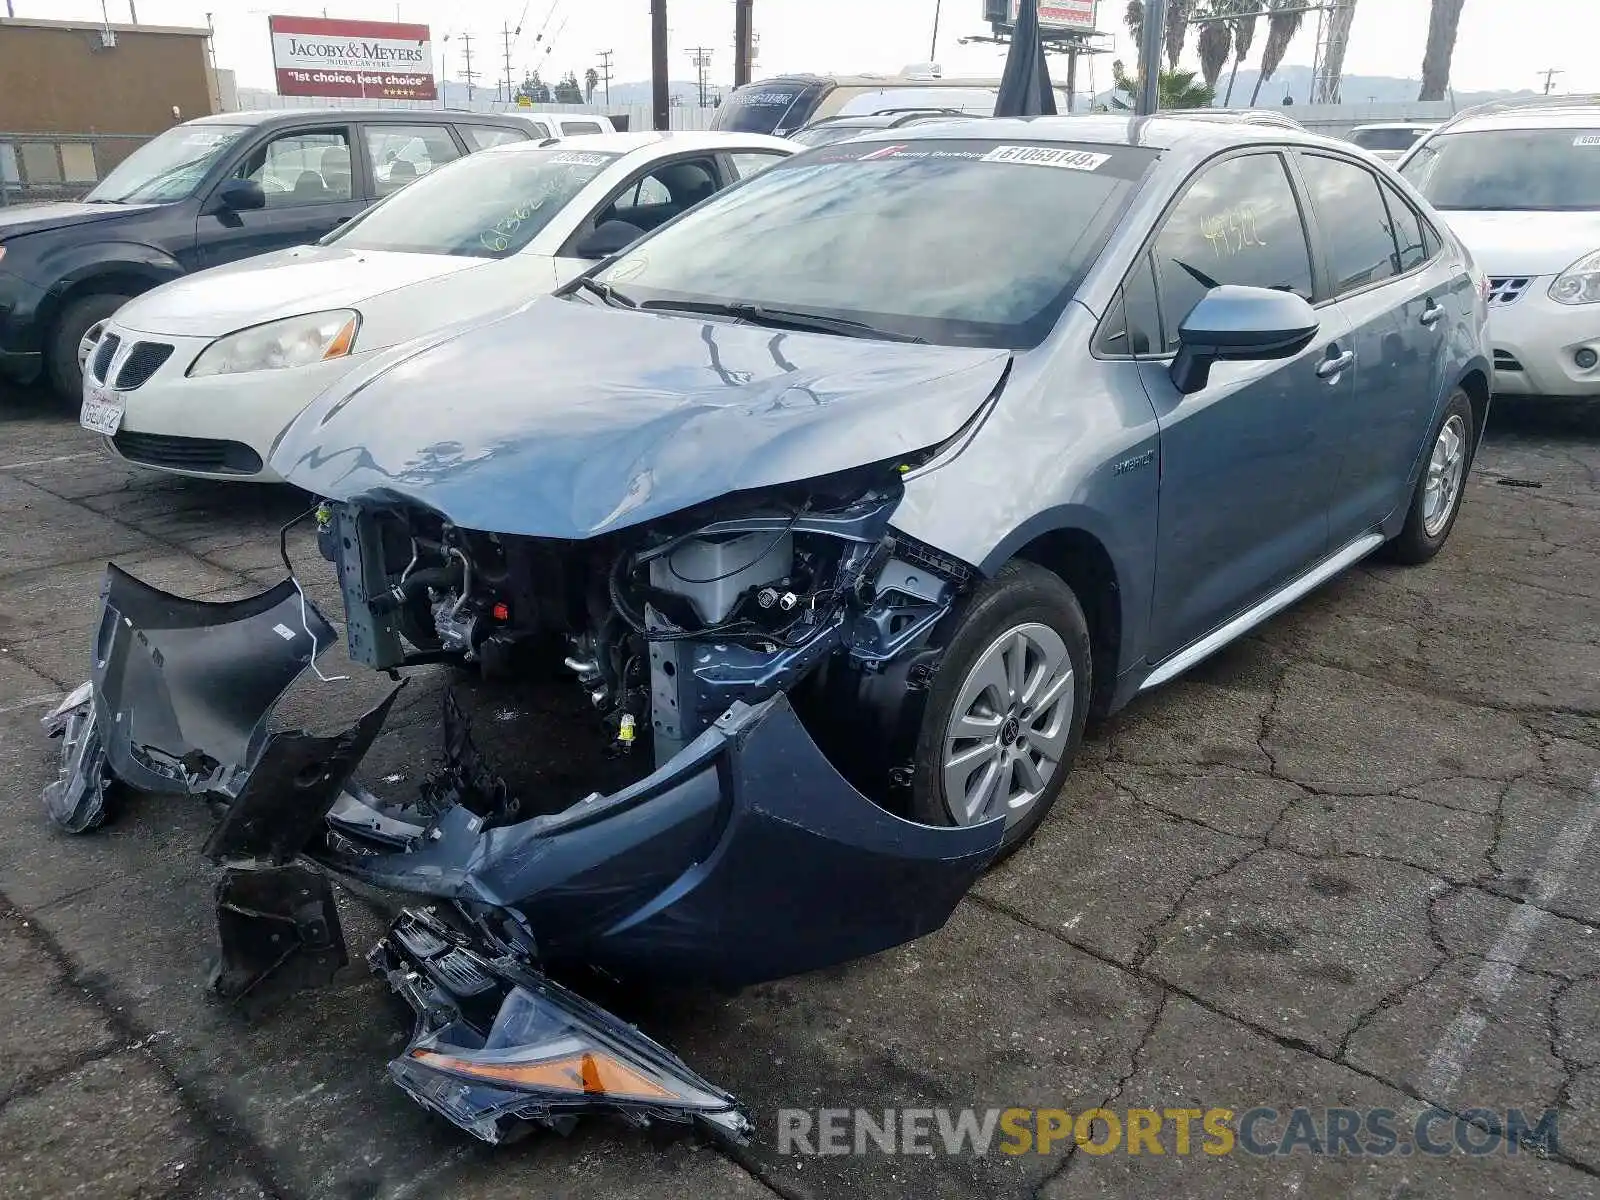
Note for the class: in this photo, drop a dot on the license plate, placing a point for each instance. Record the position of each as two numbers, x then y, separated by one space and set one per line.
101 413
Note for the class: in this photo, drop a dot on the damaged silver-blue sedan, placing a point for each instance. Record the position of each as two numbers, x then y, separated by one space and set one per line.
839 503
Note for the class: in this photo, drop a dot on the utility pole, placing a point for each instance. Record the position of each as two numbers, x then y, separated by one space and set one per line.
742 41
605 71
1148 102
658 65
469 75
1550 80
933 50
701 57
505 33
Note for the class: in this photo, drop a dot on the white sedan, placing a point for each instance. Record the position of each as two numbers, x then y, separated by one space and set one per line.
201 375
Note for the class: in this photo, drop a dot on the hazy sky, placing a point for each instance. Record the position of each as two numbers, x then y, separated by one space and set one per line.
1502 44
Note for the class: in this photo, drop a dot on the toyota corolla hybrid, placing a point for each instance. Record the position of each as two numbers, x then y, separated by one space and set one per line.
201 375
840 502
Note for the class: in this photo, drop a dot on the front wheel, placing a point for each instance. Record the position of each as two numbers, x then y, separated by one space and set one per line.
1437 500
1006 711
69 341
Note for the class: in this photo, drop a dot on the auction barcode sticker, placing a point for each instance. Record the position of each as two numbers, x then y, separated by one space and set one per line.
1048 156
1587 139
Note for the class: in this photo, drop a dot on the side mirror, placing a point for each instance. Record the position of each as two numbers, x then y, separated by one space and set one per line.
238 195
612 237
1240 324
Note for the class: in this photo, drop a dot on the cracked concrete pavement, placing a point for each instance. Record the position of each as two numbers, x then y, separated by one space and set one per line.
1350 861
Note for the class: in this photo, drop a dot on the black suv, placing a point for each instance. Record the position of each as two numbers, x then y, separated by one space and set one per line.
203 193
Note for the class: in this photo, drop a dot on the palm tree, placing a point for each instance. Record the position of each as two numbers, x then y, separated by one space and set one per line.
1178 89
1281 28
1244 34
591 80
1215 43
1177 30
1443 22
1133 18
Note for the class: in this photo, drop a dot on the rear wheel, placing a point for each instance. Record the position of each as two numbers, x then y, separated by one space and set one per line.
1006 710
67 340
1437 500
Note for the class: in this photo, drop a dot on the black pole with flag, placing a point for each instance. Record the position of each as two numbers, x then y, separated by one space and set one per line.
1025 89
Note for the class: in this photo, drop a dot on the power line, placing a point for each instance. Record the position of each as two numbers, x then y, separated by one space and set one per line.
605 71
701 57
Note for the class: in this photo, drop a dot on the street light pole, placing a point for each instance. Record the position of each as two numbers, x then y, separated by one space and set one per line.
1148 101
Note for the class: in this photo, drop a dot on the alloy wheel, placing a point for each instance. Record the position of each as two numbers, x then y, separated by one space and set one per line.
1447 467
1010 726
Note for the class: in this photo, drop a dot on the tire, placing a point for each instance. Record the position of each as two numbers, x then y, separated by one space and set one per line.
1024 607
61 356
1428 525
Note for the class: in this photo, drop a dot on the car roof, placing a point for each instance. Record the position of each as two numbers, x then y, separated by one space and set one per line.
1531 117
1422 125
410 116
1187 138
667 142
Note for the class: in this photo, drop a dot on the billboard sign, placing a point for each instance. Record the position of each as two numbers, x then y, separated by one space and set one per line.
370 60
1055 16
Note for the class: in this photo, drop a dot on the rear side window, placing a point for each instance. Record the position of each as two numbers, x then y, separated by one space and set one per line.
578 128
1385 139
481 137
401 154
1408 236
1350 209
1238 223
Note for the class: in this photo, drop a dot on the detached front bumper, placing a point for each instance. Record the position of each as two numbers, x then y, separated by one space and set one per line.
746 857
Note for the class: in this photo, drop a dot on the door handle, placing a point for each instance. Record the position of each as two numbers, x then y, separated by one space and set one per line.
1432 314
1330 368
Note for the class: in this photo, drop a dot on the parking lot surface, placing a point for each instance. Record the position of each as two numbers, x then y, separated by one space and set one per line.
1350 862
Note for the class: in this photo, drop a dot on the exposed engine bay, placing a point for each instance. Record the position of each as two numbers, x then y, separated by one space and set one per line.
663 629
752 667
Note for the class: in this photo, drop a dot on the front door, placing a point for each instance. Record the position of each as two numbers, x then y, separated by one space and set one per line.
1247 462
310 187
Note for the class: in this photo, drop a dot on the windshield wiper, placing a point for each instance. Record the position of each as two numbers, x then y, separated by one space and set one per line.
604 290
782 318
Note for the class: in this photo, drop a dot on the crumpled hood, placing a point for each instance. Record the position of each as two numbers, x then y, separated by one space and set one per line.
567 420
35 218
1526 243
285 283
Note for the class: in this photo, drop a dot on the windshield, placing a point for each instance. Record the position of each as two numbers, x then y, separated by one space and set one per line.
487 205
1510 170
959 242
1385 139
169 167
767 107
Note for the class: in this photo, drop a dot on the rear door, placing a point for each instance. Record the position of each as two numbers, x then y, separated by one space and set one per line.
312 183
1391 287
1247 463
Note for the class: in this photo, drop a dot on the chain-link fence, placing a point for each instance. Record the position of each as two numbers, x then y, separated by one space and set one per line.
59 166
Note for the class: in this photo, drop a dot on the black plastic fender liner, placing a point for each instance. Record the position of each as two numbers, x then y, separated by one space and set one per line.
285 801
746 858
184 689
279 932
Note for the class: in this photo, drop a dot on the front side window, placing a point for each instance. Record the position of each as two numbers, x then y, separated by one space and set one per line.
1017 227
662 194
1355 221
169 167
1238 223
487 205
754 162
482 137
400 154
302 168
1510 170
